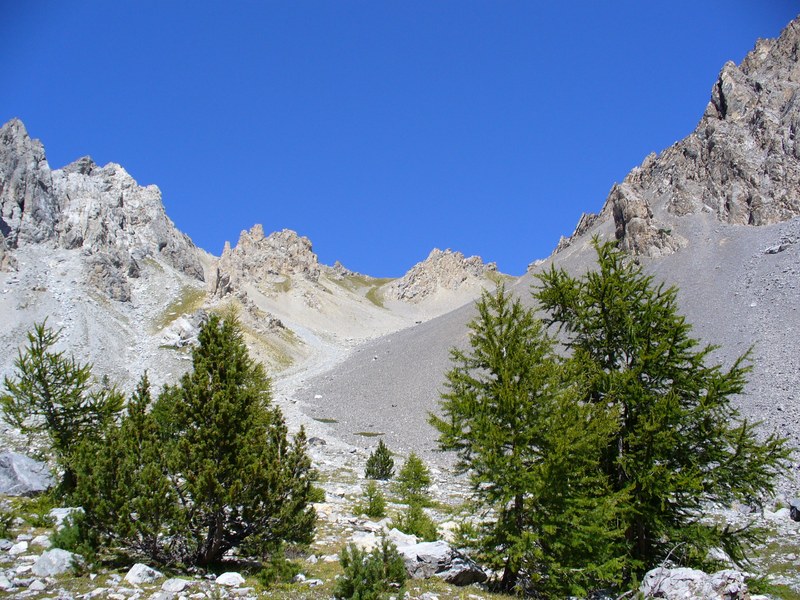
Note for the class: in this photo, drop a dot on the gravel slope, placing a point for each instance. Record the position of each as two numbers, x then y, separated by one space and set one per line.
734 293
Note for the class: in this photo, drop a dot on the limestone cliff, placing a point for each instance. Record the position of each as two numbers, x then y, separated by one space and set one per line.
441 270
100 210
266 260
741 163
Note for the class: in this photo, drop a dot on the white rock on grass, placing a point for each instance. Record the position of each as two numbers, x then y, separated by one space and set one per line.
230 579
5 584
42 541
54 562
174 585
18 548
139 574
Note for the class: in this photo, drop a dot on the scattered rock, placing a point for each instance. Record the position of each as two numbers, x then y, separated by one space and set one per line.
230 579
42 541
141 574
54 562
18 548
174 585
60 516
794 509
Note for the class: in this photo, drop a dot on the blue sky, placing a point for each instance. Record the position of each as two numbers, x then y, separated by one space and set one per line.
378 129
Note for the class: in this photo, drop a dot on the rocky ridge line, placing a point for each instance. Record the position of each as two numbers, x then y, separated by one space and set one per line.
100 210
741 163
261 259
441 270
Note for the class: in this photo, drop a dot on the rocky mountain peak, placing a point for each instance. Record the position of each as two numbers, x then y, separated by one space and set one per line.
265 259
443 269
100 210
741 163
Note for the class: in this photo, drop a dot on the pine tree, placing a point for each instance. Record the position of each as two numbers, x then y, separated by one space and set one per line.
413 481
123 486
679 444
531 449
55 396
240 482
380 464
210 468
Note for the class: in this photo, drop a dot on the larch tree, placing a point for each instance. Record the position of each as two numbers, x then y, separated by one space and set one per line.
532 451
679 443
53 396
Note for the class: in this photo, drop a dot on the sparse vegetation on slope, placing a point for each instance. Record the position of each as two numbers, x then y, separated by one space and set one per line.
189 300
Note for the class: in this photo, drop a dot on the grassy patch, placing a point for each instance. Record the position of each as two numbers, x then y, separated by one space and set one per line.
189 300
498 278
324 420
374 295
369 434
149 261
357 283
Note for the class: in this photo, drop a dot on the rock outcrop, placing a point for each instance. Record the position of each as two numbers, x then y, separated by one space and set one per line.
679 583
100 210
267 260
22 476
741 163
439 559
441 270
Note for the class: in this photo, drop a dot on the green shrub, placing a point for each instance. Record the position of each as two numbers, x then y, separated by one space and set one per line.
278 569
375 503
371 576
413 481
36 511
380 464
6 521
73 537
415 521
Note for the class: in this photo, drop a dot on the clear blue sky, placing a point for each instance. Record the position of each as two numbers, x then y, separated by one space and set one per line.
378 129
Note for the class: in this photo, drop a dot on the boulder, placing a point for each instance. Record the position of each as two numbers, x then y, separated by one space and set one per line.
680 583
439 559
60 516
54 562
230 579
794 509
139 574
175 585
20 475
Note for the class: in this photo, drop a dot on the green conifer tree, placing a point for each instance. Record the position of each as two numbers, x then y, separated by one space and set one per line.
210 468
413 481
242 483
532 451
679 444
129 501
53 395
380 464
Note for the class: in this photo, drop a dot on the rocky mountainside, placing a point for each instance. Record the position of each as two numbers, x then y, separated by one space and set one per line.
442 270
95 253
741 163
266 260
101 210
